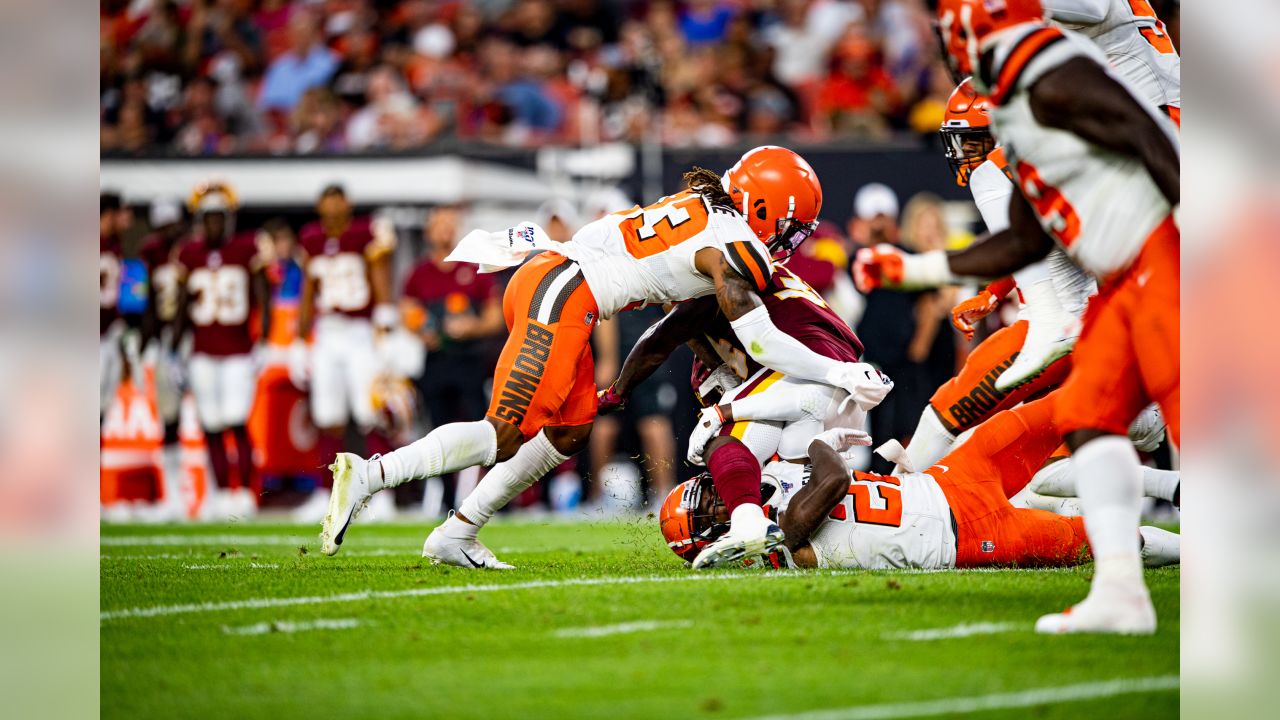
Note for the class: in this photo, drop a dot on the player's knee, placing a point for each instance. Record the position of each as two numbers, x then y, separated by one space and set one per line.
508 437
569 439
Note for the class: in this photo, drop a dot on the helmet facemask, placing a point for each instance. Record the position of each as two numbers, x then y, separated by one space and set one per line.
791 233
705 507
966 149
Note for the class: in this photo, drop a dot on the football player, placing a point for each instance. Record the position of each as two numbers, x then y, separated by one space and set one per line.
346 299
734 452
1054 292
221 286
954 515
1098 173
715 238
110 326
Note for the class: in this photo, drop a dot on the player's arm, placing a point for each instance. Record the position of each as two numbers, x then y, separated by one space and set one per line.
661 339
262 300
737 298
378 259
1081 97
307 303
827 486
182 317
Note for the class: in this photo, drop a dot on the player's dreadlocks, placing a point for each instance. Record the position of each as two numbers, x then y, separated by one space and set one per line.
707 184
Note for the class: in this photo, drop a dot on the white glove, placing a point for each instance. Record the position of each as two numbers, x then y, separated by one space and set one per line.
722 379
300 364
843 439
866 385
709 423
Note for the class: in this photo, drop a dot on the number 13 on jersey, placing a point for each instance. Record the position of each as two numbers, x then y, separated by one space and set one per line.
670 221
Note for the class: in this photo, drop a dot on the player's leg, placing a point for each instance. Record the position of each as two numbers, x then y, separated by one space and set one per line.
205 385
239 381
358 372
1052 324
971 398
328 412
1029 538
1093 409
568 434
1157 327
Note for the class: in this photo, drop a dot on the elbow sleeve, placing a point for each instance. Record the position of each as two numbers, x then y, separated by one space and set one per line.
776 350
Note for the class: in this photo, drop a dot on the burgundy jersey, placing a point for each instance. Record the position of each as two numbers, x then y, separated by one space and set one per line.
797 310
340 265
220 283
161 257
109 255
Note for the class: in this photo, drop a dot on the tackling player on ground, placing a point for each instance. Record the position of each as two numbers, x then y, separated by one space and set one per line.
1098 173
714 239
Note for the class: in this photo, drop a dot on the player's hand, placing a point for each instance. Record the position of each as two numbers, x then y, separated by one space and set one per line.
718 383
608 401
877 267
866 386
709 423
841 439
300 364
970 311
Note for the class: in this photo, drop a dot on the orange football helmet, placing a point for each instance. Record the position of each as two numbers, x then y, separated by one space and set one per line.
963 24
779 194
688 516
966 131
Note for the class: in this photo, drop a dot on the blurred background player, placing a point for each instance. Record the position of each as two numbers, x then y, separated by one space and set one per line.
457 312
346 301
110 325
223 285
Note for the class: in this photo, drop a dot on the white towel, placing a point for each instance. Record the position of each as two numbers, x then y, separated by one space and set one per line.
494 251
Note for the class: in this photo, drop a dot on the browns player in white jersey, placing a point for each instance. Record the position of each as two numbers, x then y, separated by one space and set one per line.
716 238
346 300
1098 173
1135 42
222 286
955 514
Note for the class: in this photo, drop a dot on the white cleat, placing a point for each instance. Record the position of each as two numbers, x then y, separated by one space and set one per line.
347 497
1051 334
471 554
750 534
1160 547
1111 613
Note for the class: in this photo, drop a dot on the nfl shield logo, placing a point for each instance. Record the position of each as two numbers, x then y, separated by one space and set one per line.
589 318
988 546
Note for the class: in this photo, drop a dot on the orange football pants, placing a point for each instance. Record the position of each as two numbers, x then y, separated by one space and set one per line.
546 373
970 398
1127 356
979 477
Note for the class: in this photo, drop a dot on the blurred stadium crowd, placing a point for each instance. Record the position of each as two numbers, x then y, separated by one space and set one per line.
212 77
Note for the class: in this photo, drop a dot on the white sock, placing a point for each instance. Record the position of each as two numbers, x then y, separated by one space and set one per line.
1044 305
1057 479
747 514
1160 483
506 480
1109 483
930 442
448 448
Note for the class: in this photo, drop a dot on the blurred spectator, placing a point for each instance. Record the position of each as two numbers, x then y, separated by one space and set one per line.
888 326
306 64
393 118
705 21
858 95
933 347
453 308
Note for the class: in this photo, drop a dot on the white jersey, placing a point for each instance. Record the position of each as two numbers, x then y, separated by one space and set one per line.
992 188
645 255
1072 185
883 522
1134 41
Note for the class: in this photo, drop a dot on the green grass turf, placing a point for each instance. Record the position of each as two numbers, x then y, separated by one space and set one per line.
753 643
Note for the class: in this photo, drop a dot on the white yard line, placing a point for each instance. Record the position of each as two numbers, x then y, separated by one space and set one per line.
145 540
286 626
622 628
230 565
957 631
365 595
996 701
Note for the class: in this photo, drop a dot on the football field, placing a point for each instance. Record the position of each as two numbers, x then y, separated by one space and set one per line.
248 620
